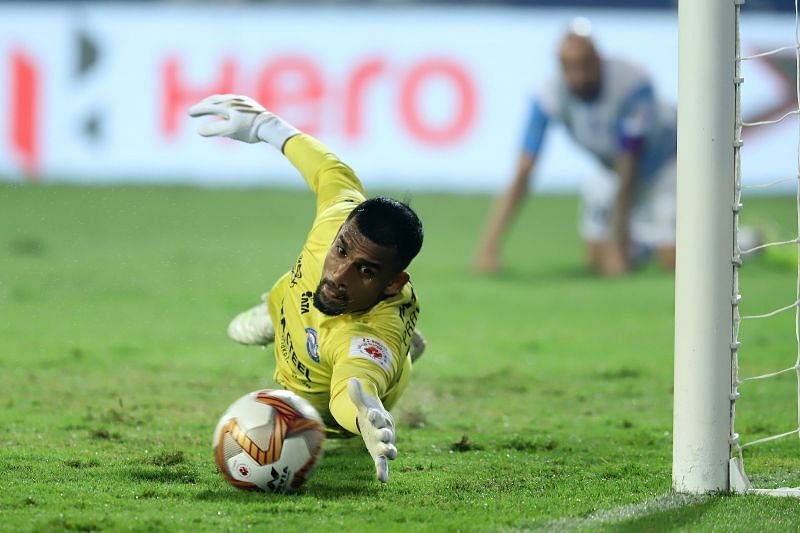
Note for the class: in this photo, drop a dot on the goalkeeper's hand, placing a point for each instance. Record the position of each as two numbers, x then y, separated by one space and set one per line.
376 426
243 119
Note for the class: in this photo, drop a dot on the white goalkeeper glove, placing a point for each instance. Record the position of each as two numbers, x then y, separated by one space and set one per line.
377 428
242 119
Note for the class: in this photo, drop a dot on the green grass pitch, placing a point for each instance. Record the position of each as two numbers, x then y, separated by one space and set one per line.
544 400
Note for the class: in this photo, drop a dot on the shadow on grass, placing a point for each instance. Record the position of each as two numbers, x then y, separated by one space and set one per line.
315 489
346 471
337 477
679 518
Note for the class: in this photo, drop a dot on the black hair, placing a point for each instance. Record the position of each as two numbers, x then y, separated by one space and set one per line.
391 223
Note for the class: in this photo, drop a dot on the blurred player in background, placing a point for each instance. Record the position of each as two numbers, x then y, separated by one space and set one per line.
609 107
343 317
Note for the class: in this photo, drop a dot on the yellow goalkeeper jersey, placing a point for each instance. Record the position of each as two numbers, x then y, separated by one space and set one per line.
316 354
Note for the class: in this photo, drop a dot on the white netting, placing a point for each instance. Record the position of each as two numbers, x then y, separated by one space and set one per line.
739 480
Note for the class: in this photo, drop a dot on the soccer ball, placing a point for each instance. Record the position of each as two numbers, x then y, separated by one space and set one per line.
269 440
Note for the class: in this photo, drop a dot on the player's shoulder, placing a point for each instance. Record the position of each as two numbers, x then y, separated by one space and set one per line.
366 338
548 95
327 223
338 208
625 66
387 319
390 313
624 75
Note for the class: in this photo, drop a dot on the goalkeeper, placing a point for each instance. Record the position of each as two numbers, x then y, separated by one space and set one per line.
343 318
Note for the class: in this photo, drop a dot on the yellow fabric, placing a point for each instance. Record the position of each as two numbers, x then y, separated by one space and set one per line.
343 341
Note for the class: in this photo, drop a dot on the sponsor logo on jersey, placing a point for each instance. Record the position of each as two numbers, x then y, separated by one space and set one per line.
312 344
286 346
372 349
305 302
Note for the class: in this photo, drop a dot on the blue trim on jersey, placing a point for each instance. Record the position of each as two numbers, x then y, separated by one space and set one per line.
640 98
534 133
656 142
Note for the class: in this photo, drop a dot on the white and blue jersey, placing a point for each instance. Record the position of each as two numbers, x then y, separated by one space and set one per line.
625 117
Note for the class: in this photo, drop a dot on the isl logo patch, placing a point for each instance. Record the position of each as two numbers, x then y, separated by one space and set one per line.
372 349
312 345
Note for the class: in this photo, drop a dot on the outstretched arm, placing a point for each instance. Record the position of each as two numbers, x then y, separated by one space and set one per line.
487 259
243 119
359 383
637 118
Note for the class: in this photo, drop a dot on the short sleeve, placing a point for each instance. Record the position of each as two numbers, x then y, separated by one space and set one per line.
374 361
535 129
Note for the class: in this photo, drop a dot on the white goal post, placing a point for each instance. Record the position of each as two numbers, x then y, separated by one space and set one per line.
709 256
705 232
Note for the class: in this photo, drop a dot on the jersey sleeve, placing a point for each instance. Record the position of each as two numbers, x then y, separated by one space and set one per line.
374 361
331 180
638 116
535 129
545 107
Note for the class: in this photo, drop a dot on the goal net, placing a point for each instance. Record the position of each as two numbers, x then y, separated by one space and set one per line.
772 432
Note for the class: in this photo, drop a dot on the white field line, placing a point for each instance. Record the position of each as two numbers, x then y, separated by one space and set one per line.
666 502
626 513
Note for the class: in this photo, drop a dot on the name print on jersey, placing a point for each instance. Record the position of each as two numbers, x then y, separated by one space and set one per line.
297 272
409 318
